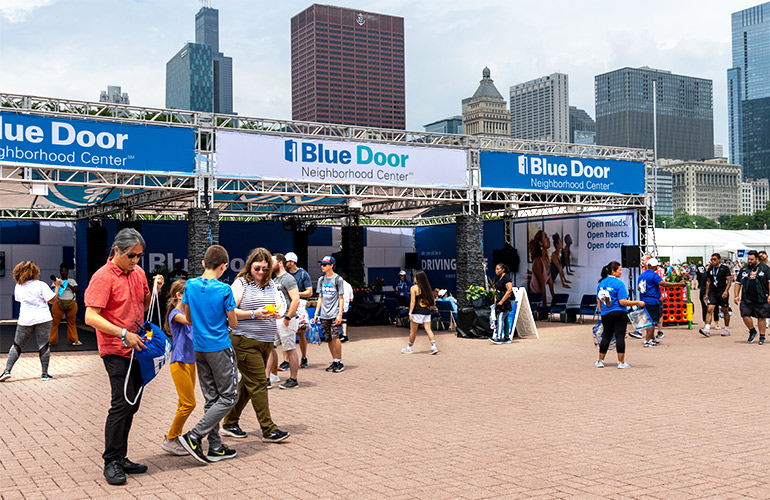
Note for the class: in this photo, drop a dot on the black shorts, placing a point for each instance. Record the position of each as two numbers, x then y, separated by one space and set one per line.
755 309
655 311
715 298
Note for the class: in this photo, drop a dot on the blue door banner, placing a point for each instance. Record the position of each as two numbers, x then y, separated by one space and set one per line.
560 174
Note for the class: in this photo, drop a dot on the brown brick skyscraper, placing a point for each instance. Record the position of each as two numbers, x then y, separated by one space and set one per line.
347 67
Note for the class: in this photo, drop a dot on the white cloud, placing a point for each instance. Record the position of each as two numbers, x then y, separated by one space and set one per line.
16 11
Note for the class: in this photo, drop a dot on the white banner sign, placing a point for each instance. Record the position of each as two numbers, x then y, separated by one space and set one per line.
284 158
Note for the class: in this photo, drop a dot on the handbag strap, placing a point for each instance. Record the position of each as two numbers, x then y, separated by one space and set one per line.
154 304
125 384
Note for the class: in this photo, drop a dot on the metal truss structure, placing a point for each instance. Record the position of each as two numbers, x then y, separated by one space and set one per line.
158 196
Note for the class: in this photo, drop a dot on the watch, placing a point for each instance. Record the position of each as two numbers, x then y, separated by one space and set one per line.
287 317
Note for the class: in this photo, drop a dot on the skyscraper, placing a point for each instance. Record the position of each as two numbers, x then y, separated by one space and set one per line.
114 95
347 66
540 109
453 125
200 77
582 128
748 92
484 113
685 116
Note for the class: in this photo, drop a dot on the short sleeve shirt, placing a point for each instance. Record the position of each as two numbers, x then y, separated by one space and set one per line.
717 276
330 289
120 296
182 336
33 296
651 293
303 280
68 293
500 288
285 283
209 300
615 290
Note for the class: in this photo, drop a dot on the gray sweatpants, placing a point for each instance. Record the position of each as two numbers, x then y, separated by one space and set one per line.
218 377
41 331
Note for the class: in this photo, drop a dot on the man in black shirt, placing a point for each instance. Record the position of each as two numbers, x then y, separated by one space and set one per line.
718 279
700 276
753 295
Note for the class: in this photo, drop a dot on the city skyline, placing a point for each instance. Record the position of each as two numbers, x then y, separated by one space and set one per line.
441 62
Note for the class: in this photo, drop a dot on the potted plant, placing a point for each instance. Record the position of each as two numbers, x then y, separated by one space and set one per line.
478 295
376 287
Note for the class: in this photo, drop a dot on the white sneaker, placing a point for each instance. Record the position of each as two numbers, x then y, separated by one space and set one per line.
647 343
407 350
599 364
173 447
726 333
274 379
623 366
433 349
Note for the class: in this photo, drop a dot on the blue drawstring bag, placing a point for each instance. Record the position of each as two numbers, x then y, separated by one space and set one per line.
157 350
313 334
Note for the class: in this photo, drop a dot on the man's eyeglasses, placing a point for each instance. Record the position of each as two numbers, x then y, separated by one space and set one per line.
135 255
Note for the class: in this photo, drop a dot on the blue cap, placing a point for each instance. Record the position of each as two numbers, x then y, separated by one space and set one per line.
328 260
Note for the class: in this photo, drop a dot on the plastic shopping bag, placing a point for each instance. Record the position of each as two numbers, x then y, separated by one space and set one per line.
639 318
313 334
598 332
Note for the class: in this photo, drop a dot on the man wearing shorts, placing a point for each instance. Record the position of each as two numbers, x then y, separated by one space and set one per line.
718 279
751 294
649 287
287 326
329 310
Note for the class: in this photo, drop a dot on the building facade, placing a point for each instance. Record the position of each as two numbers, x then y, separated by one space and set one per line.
748 91
660 183
582 128
347 66
709 188
207 33
485 112
540 109
685 117
453 125
190 79
114 95
755 194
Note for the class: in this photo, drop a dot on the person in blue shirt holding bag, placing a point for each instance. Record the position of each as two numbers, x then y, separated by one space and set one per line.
612 296
649 289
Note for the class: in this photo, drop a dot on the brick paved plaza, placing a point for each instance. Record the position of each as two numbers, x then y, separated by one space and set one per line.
533 419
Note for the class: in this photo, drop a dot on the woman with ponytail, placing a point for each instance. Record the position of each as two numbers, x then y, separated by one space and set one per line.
612 296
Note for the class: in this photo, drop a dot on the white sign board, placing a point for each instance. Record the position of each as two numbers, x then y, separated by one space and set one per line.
259 156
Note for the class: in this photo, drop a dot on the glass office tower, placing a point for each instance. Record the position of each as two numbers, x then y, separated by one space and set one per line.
748 87
190 79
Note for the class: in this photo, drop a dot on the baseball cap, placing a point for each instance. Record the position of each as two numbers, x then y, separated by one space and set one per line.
328 260
441 292
652 261
402 273
291 256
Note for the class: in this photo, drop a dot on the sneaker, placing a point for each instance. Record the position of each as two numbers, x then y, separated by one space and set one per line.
274 379
660 335
344 338
303 363
5 376
407 350
433 349
705 333
654 342
635 334
339 368
77 342
647 343
269 385
114 474
331 366
233 431
761 339
173 447
599 364
507 340
130 467
45 377
221 454
275 437
623 366
496 340
193 447
289 384
283 366
726 333
752 336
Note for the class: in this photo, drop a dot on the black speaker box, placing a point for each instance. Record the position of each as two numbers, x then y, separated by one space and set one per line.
508 256
630 256
410 260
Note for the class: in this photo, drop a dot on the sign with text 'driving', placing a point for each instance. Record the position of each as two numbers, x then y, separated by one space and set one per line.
259 156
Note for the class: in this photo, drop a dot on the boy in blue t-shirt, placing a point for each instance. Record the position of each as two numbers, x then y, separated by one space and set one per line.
649 288
209 305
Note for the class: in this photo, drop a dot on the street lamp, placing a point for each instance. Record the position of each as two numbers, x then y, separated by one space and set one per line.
664 224
695 224
747 225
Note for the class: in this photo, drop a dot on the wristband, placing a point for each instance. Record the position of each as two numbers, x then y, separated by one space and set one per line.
123 337
252 313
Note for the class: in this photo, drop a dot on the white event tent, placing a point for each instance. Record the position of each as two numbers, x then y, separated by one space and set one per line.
678 244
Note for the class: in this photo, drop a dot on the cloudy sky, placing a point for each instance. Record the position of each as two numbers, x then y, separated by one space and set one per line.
75 48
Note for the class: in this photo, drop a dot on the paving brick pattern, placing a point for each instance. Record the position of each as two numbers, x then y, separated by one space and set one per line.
533 419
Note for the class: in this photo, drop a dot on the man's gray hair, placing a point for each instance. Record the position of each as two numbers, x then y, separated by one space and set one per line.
128 238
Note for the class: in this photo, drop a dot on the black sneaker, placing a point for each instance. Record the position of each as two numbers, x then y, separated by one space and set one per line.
303 363
221 454
344 338
660 335
275 437
761 339
233 431
339 368
289 384
331 366
635 334
130 467
752 336
193 447
283 366
114 474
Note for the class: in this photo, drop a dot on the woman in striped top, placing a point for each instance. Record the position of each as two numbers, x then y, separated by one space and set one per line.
254 292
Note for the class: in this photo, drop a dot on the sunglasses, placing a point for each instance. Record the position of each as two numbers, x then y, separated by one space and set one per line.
324 265
135 255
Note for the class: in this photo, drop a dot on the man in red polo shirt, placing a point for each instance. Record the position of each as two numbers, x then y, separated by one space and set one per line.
116 299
